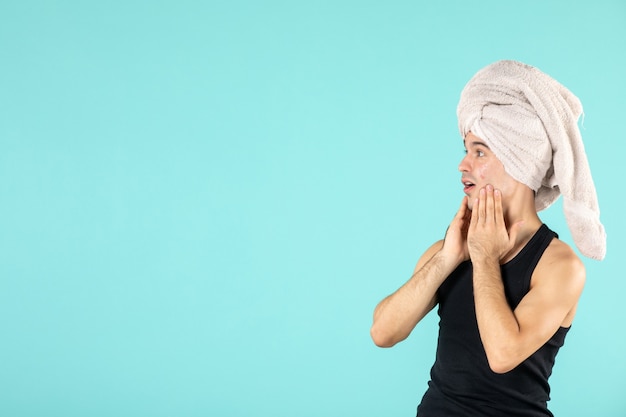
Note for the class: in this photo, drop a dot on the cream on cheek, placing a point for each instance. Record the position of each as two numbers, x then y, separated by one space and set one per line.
491 172
482 173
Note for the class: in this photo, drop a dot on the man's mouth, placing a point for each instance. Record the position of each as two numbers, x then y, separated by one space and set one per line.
468 186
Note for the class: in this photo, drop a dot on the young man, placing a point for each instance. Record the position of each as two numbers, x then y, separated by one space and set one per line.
506 286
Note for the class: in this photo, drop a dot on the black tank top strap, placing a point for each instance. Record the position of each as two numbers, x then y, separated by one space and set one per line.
532 252
521 267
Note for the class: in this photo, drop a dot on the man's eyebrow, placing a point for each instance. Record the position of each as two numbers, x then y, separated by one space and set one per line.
478 143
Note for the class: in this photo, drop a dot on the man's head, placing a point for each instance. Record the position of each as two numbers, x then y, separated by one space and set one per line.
530 123
481 166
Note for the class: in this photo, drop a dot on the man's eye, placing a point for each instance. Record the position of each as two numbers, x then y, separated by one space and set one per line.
480 153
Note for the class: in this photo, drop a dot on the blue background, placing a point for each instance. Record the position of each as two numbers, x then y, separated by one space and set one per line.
202 202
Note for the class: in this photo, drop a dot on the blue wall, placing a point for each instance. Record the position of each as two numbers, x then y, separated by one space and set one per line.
202 202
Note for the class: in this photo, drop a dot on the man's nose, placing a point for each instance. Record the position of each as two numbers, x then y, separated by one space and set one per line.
464 164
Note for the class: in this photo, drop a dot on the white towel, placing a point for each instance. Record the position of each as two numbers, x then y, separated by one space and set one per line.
530 122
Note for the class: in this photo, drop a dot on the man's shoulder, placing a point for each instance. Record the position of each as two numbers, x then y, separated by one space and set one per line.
560 260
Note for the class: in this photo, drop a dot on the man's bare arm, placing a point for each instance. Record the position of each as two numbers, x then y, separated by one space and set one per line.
510 337
398 314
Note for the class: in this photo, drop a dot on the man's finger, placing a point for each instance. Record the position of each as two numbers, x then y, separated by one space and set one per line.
489 209
497 197
461 212
474 214
482 209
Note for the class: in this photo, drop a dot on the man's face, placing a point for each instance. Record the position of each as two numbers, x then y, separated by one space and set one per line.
480 167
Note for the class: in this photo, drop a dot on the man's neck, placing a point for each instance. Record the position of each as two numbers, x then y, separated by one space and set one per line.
522 209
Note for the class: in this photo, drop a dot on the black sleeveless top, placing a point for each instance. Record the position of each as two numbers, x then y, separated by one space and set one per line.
462 384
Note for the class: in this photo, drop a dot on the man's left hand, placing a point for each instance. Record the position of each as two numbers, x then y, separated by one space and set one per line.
488 238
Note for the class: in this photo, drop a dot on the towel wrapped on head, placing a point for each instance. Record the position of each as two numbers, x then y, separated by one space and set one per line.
530 122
